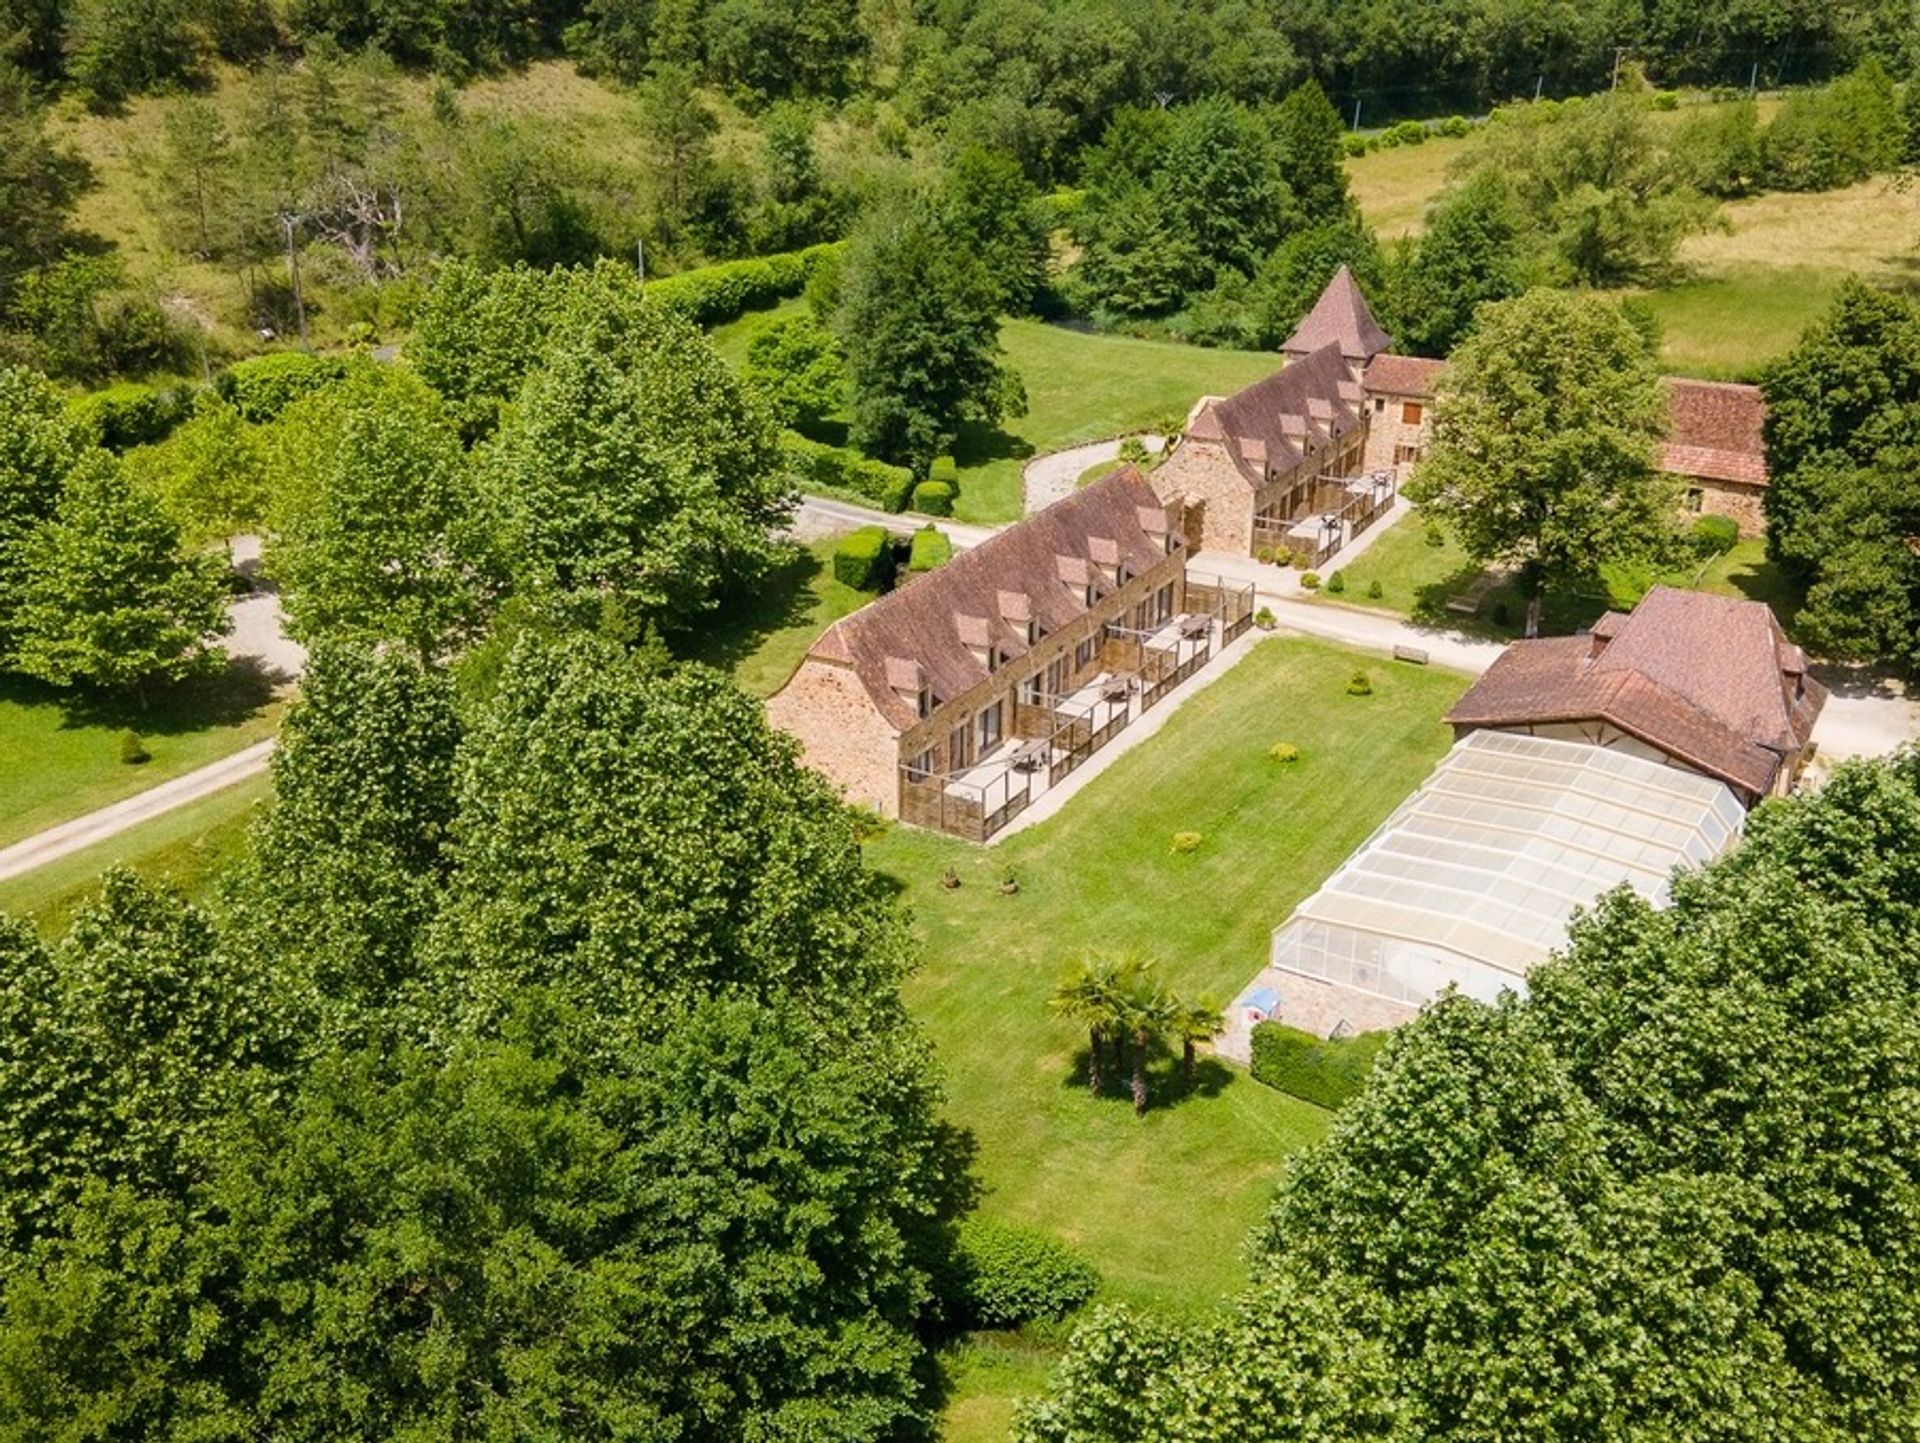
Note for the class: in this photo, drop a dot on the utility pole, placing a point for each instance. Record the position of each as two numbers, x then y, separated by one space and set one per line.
1539 81
1753 81
640 258
287 218
1618 52
1356 114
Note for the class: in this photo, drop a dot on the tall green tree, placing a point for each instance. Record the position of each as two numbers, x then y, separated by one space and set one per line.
39 445
40 182
108 598
1843 435
796 365
635 470
210 473
375 526
1544 442
987 203
1469 253
919 326
195 174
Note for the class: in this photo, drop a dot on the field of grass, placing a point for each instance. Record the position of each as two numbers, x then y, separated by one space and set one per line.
187 848
57 762
761 638
1394 187
1417 579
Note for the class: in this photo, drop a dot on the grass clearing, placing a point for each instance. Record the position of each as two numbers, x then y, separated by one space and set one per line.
1163 1203
762 637
1417 579
1085 387
187 848
59 760
1394 187
984 1373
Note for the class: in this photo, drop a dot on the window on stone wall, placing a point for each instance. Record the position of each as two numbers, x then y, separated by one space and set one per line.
921 767
1696 498
1411 413
1407 455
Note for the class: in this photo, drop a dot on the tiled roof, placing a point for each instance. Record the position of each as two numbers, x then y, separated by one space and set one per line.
1717 432
1270 426
1402 375
1710 680
1341 316
936 620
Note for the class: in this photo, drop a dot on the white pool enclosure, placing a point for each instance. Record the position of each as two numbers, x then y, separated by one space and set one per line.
1476 876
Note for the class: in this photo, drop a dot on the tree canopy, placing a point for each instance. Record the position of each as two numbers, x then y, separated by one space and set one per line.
1543 443
1843 439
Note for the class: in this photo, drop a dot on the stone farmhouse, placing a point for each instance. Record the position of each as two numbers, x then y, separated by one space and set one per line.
1706 683
959 699
1304 461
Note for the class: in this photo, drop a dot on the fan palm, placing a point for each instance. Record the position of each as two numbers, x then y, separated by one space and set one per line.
1091 995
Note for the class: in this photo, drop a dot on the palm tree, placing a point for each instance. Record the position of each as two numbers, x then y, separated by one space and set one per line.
1090 995
1147 1011
1200 1021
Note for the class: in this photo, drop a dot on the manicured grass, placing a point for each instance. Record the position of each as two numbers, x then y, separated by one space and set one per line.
1728 322
1161 1204
60 759
188 848
984 1373
761 638
1417 579
1082 387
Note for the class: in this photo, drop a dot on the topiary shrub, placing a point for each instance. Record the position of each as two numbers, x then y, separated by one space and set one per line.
261 388
1407 132
1312 1068
133 751
1337 583
946 469
1003 1276
1264 555
1285 753
132 414
864 559
1715 535
1434 535
1360 684
1374 590
933 498
930 549
1310 581
1265 619
1184 842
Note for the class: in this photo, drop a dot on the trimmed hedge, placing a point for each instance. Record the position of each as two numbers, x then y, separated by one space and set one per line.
713 294
1011 1275
864 559
930 549
1312 1068
814 466
1715 535
945 468
933 498
131 414
261 388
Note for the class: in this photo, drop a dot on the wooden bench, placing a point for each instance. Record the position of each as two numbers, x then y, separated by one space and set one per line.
1415 654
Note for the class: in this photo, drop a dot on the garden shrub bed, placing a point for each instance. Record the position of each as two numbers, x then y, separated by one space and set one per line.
1314 1069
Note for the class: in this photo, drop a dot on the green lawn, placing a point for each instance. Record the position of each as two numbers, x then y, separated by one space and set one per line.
1161 1203
187 848
58 761
1417 578
761 638
1727 323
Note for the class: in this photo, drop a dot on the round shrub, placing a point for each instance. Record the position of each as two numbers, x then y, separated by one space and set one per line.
933 498
1374 590
1186 842
1715 535
1310 581
1265 619
132 414
1336 583
261 388
133 751
1264 554
1011 1275
1360 684
1285 753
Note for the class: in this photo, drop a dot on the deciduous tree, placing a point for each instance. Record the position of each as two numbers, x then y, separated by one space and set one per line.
1543 442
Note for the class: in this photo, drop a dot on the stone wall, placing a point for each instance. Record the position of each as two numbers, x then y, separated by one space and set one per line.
1203 471
1388 430
842 734
1727 498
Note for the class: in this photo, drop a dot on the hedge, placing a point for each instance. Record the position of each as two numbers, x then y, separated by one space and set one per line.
132 414
933 498
814 466
261 388
713 294
1313 1068
945 468
930 549
1715 535
864 559
1009 1275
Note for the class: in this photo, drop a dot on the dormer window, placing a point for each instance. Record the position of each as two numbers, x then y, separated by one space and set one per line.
1034 631
1091 594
